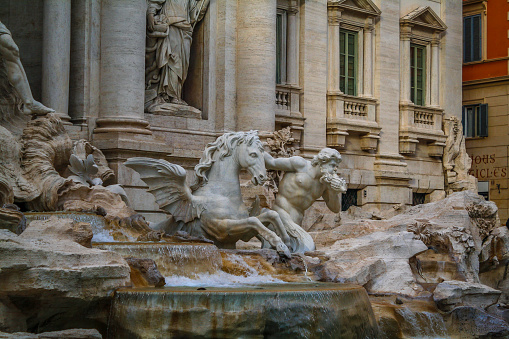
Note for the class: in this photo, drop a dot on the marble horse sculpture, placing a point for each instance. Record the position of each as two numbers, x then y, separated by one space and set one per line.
213 207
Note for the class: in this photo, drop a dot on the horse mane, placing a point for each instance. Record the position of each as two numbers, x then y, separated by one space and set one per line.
219 149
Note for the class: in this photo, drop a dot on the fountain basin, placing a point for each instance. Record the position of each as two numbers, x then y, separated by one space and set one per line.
298 310
173 259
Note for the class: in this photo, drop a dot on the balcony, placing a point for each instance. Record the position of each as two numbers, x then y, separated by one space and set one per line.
420 123
288 109
348 114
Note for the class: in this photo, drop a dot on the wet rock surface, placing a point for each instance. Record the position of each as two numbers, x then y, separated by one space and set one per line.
69 334
472 322
451 294
144 273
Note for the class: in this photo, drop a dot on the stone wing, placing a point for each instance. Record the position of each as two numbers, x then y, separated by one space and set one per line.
167 183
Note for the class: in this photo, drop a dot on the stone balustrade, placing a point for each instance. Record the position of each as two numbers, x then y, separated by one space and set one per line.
348 114
283 99
287 99
288 109
420 123
356 109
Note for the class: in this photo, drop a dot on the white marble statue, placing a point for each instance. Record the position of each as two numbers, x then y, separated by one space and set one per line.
303 183
16 75
213 207
170 25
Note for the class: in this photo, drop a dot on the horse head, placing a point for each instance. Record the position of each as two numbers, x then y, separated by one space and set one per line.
245 147
250 157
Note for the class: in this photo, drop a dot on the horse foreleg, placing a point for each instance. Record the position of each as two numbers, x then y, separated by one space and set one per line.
273 218
237 229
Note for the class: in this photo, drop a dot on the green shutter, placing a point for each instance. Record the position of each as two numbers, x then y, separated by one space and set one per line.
348 62
418 74
482 120
467 39
472 38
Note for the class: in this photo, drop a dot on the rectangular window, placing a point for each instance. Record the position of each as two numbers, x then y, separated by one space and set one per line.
349 198
472 38
475 120
483 187
418 198
281 47
348 62
418 74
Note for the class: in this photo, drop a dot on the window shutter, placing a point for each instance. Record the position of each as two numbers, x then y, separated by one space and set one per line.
476 38
482 121
467 39
463 119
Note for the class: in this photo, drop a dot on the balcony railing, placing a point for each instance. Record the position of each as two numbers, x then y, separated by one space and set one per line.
421 123
348 114
356 110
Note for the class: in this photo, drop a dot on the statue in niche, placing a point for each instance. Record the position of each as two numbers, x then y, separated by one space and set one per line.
456 161
302 184
16 76
170 25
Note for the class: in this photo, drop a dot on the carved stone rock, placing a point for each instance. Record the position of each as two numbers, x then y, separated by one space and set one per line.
144 273
451 294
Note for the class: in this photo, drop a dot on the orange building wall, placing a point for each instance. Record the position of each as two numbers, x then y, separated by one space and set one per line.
496 45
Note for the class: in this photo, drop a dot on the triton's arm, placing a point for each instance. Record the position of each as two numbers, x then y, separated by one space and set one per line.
332 200
292 164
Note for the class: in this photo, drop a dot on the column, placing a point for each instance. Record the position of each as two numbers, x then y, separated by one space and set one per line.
405 63
85 61
292 56
122 84
435 73
56 56
368 59
334 16
256 77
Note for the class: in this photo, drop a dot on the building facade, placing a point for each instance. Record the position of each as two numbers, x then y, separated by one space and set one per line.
373 79
485 97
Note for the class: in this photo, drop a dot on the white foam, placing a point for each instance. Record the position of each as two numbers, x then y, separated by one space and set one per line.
221 279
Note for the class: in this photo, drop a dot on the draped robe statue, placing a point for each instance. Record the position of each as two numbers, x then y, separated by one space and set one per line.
170 25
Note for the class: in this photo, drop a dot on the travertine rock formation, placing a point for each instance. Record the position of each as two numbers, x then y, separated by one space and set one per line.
379 261
399 254
451 294
50 281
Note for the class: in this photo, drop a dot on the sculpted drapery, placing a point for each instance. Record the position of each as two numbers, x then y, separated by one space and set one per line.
170 25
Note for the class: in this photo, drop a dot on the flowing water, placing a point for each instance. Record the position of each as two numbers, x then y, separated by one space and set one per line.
187 260
305 310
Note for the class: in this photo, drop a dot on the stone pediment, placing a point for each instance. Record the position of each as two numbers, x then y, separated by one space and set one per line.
425 17
363 6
